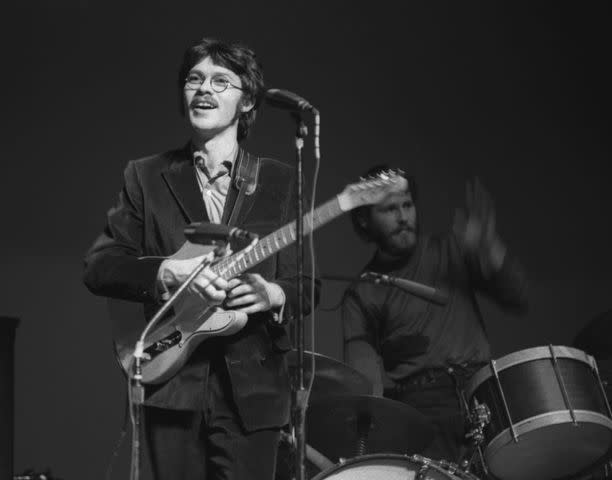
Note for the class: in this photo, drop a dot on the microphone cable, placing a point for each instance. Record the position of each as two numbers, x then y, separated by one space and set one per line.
317 156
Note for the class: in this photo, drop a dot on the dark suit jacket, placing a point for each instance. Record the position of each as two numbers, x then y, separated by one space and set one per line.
159 198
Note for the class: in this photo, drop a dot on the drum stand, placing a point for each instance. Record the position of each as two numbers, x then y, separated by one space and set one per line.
478 418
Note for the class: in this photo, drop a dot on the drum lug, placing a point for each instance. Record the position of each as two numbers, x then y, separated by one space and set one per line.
601 385
505 403
562 384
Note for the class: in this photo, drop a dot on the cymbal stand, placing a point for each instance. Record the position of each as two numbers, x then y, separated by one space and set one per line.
364 425
478 418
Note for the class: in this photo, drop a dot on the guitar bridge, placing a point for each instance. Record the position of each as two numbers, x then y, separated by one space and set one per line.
164 344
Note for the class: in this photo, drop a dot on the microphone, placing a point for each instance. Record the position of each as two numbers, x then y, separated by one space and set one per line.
206 233
287 100
418 289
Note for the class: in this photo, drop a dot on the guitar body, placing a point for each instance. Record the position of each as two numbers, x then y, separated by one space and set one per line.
169 345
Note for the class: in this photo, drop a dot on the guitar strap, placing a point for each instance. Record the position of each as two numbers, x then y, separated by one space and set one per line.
245 181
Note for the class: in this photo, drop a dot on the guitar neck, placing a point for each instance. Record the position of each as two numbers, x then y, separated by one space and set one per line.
240 262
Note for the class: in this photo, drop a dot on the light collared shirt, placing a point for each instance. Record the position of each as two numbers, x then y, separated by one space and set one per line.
213 186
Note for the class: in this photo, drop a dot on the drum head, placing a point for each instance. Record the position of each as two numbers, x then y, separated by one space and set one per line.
524 356
554 451
388 467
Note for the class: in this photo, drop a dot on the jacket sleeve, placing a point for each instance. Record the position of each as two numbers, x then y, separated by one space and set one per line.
116 265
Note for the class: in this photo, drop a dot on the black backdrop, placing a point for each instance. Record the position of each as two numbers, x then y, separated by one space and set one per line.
518 95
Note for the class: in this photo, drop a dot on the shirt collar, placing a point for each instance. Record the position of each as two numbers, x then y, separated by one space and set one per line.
225 168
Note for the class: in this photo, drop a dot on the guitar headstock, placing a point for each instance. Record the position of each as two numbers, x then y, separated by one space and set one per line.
372 190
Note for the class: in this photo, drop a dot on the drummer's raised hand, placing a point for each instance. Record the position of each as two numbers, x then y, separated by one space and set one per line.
475 229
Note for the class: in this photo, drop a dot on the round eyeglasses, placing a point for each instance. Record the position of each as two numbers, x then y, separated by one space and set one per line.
218 84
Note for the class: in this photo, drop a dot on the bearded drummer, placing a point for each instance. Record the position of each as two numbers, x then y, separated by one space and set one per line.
414 350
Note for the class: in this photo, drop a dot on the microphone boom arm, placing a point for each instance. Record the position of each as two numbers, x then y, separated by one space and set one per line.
417 289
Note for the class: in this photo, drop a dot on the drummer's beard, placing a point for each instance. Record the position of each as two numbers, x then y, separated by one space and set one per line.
399 242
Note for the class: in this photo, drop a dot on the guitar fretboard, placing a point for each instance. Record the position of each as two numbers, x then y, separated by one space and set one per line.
240 262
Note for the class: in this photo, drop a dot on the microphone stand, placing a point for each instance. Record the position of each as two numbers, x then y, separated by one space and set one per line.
135 388
299 392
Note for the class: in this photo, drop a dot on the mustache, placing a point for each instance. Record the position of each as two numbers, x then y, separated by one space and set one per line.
201 99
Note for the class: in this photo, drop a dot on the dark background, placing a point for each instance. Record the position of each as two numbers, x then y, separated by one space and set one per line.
515 94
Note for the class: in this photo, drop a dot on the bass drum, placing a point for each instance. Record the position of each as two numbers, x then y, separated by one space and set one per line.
393 467
550 418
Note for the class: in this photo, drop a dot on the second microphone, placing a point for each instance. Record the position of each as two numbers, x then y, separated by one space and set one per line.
206 233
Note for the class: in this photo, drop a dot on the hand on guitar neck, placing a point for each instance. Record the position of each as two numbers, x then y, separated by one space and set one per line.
208 285
248 293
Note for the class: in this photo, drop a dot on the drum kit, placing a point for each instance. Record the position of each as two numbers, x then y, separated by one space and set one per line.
536 414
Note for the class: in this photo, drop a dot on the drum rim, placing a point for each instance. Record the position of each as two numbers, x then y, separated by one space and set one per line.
523 356
537 422
413 458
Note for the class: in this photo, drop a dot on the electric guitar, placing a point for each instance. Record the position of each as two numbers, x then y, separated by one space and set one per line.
169 345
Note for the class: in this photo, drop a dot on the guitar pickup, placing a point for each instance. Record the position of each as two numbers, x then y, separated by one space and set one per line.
164 344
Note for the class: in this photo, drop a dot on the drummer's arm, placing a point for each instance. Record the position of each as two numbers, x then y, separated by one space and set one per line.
507 286
359 340
491 268
503 280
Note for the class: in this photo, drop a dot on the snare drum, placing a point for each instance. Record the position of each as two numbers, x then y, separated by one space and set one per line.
550 418
393 467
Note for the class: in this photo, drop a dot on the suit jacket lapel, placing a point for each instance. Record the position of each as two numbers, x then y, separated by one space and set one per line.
232 192
181 181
